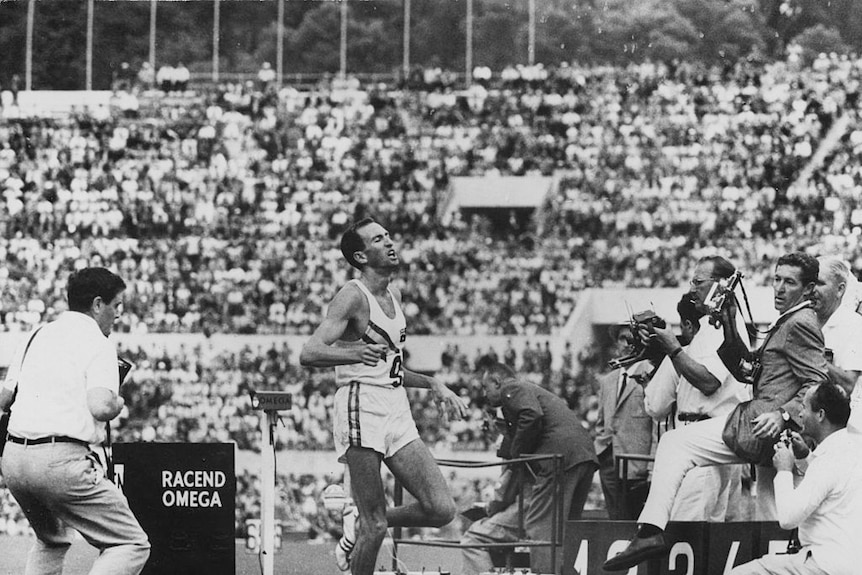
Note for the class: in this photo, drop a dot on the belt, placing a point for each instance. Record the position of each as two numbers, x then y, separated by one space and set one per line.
686 417
49 439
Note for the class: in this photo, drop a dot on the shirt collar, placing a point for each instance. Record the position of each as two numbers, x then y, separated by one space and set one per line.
801 305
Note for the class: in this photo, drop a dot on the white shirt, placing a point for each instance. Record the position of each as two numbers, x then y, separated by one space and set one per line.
827 504
843 335
667 386
66 358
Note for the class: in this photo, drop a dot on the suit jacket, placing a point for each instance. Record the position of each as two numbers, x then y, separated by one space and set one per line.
537 421
793 360
623 424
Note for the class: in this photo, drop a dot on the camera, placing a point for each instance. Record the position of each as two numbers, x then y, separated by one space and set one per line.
641 350
719 292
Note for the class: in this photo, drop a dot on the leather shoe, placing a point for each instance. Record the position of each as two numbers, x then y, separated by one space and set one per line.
640 549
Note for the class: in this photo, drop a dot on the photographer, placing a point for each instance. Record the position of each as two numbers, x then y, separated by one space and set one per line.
707 493
826 506
537 422
62 385
791 360
622 426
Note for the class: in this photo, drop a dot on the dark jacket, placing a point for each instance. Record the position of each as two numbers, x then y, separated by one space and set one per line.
537 421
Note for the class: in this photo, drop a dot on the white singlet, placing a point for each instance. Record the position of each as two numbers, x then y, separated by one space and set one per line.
383 330
371 406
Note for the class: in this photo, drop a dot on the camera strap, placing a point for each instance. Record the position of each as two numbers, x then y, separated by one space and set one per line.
20 367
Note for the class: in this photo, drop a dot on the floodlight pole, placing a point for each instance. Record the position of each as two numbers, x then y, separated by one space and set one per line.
28 57
468 59
153 40
343 43
216 37
279 45
531 43
406 63
88 83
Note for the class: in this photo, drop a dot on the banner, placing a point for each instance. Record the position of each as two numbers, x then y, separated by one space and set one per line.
183 494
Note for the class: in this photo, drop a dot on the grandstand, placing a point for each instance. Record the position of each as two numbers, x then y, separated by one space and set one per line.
534 207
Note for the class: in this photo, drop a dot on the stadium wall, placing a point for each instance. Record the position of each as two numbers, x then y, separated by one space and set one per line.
596 307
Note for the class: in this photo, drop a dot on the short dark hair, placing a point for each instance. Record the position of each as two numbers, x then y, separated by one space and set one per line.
351 241
808 264
721 267
687 310
87 284
488 365
833 400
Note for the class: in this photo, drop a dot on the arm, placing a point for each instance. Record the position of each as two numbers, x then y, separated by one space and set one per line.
796 505
733 352
452 404
693 371
6 398
844 378
320 351
104 404
660 394
103 385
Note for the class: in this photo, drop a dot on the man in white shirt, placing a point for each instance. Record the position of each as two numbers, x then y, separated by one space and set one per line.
62 385
707 493
841 325
826 506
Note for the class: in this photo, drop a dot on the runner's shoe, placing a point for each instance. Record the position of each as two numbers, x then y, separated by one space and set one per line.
348 538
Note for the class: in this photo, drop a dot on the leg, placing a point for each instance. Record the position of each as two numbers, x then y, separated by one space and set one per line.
698 444
610 484
417 471
63 485
765 500
100 513
798 564
680 450
370 500
539 514
497 528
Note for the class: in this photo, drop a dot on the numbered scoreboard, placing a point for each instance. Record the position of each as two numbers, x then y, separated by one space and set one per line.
697 548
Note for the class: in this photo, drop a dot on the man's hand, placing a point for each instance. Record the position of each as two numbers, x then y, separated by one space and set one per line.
371 353
727 315
664 338
767 425
800 448
783 458
448 401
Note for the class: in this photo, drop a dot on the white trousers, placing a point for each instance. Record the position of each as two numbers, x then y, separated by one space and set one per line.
696 445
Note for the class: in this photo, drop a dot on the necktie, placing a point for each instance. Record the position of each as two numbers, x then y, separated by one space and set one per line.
623 380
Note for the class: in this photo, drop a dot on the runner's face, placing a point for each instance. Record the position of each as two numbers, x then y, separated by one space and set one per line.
379 248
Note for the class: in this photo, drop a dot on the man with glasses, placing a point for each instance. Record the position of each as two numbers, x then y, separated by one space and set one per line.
791 360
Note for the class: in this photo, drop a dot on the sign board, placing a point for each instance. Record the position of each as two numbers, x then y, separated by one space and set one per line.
698 548
183 494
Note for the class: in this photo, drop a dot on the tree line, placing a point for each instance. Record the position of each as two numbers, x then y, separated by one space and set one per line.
612 32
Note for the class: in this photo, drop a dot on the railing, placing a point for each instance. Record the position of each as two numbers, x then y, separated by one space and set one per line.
556 527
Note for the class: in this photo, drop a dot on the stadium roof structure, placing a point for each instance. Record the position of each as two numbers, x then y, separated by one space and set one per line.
506 192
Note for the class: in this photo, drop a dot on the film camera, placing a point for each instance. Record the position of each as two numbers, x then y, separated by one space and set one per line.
719 292
641 349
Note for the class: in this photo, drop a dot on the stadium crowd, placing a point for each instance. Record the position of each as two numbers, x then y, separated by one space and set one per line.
221 211
222 208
